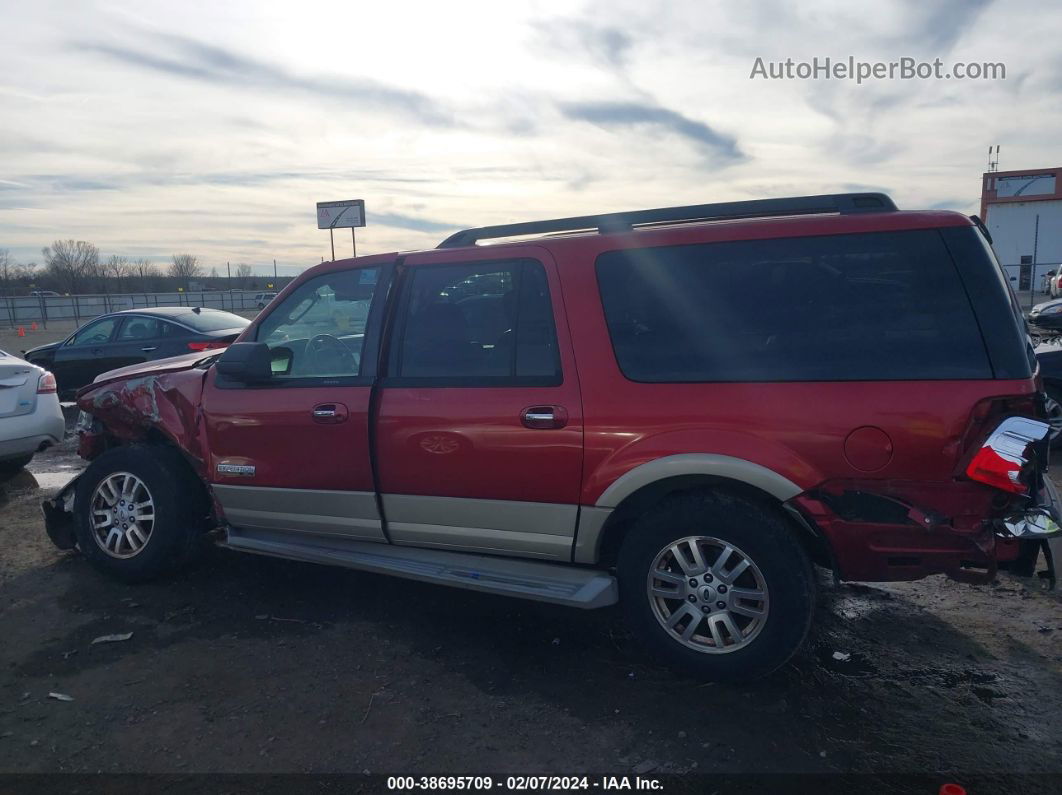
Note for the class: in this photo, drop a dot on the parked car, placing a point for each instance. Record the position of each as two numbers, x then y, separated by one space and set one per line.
1054 284
1046 316
43 294
639 407
30 417
133 336
261 299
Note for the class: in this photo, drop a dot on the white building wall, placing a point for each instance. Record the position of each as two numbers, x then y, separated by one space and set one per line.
1013 228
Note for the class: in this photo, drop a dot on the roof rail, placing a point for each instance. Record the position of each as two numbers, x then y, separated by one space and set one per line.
843 203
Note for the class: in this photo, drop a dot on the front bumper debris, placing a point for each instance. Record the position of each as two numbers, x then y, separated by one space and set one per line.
59 516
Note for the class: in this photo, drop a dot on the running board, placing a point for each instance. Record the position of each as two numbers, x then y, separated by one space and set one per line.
559 583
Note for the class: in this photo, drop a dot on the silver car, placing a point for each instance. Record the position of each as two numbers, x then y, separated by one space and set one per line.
30 416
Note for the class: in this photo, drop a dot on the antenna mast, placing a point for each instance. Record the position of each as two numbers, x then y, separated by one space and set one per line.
993 161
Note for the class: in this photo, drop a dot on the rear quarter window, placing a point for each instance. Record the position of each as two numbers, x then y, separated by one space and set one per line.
880 306
213 321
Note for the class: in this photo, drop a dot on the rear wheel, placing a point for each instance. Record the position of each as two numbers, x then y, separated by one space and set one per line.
717 585
140 512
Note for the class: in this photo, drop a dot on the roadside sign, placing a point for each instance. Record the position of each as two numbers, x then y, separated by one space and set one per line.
341 215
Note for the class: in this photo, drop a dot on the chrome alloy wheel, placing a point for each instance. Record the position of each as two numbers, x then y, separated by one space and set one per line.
708 594
122 515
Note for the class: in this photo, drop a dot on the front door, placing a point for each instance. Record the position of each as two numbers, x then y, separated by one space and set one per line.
480 431
86 354
292 455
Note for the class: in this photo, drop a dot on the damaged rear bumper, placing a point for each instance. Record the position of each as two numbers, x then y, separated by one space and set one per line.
1039 527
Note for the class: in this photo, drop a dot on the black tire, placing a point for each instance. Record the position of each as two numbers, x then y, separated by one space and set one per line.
757 533
13 465
180 510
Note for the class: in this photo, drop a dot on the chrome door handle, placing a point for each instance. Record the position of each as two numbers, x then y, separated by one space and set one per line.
330 413
544 418
149 350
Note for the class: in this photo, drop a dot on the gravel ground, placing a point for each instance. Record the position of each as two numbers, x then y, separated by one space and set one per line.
254 665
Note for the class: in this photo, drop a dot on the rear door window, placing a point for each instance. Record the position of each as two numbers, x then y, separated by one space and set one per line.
880 306
488 323
139 327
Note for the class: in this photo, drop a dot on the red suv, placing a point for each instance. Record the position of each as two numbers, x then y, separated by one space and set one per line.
680 410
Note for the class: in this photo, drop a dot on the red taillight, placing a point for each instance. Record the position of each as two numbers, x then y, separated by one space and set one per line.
206 346
1008 457
990 467
46 384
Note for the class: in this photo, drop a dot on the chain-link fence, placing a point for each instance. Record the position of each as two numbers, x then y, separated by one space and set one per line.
24 310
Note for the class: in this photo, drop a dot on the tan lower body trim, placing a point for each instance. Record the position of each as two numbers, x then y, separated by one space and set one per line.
501 527
588 538
352 514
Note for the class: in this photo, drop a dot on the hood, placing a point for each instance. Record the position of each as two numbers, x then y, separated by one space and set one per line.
51 346
1039 308
174 364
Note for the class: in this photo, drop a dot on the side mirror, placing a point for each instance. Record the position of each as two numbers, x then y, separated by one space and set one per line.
246 362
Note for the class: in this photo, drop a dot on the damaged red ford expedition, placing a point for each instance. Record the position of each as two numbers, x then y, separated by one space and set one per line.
680 410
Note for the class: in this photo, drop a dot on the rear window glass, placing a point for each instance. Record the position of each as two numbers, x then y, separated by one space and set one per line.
881 306
213 321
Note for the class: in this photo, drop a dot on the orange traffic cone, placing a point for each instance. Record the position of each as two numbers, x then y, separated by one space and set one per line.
33 326
22 331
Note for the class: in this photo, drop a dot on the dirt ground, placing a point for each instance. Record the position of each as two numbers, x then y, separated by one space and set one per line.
254 665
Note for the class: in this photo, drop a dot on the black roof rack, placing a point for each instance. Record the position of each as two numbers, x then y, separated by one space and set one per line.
843 203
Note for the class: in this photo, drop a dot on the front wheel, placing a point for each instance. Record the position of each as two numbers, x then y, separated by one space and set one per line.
717 585
140 512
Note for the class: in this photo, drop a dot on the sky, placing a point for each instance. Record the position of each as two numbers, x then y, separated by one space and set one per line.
213 128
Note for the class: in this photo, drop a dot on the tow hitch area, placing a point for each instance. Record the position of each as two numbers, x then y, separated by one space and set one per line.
59 517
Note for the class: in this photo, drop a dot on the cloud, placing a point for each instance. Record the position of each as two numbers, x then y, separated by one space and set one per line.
606 44
195 60
634 114
938 26
400 221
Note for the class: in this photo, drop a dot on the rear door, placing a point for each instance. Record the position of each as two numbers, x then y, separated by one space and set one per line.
140 339
480 428
291 456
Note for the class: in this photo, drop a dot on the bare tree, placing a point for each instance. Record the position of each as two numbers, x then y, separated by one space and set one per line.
26 273
243 274
71 263
185 266
117 268
7 270
143 269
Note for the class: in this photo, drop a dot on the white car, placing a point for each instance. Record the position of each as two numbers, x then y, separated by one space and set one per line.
30 416
261 299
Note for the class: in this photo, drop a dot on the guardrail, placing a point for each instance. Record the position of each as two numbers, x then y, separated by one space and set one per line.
22 310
